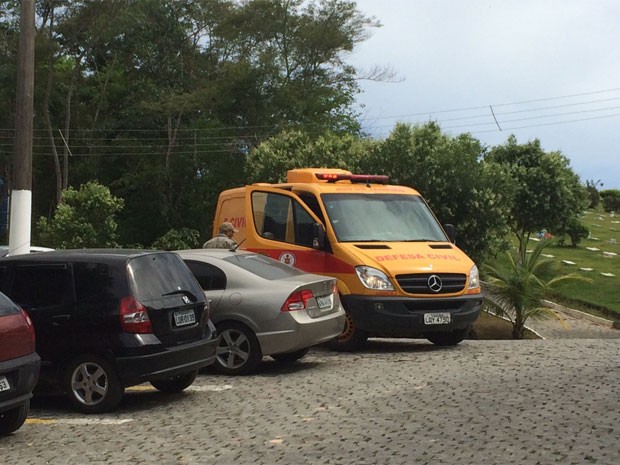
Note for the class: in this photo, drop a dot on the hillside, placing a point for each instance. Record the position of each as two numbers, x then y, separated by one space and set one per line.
598 258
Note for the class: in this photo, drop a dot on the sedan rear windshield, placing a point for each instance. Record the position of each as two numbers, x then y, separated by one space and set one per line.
152 276
7 307
265 267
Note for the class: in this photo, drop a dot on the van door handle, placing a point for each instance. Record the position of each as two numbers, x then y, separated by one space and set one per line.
58 320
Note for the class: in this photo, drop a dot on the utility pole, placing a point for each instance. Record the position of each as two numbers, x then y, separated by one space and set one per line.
21 189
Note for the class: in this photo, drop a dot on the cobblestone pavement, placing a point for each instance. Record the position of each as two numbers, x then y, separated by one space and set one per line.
552 401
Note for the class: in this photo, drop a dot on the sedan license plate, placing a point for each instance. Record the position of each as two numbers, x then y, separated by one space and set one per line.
184 317
436 318
4 384
324 301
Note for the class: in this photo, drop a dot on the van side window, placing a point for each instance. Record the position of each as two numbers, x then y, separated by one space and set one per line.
312 203
209 277
280 218
40 286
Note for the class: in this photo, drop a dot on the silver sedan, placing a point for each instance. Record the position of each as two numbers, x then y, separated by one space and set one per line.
263 307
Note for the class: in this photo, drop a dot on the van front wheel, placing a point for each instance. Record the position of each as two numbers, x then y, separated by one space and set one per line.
350 339
450 338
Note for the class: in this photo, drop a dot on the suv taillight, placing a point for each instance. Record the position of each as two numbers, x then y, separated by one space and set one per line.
297 301
134 318
30 327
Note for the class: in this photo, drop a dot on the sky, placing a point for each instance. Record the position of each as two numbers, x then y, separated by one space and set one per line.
538 69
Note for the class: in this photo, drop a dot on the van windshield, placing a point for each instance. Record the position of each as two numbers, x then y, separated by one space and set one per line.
381 218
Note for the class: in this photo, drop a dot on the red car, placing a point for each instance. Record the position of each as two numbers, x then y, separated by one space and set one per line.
19 365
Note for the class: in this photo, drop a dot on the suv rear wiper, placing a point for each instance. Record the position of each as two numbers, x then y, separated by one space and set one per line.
189 294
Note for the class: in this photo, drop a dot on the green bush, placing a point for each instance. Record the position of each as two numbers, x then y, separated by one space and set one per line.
178 239
611 200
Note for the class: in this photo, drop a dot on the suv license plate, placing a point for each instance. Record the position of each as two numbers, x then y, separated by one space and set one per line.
4 384
436 318
184 317
324 301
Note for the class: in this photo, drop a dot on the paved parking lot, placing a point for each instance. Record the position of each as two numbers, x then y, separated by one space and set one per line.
398 402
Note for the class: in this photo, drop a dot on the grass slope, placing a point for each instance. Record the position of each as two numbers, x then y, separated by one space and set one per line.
598 258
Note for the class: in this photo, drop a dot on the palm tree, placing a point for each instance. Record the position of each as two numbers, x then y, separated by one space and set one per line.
515 290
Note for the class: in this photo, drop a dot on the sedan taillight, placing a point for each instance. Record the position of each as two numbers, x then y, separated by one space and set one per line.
134 317
297 300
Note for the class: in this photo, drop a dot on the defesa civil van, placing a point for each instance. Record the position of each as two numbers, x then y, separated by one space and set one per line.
399 271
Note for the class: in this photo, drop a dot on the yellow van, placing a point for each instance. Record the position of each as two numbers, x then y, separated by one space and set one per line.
399 272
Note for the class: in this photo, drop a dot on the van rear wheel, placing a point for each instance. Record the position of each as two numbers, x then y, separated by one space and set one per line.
350 339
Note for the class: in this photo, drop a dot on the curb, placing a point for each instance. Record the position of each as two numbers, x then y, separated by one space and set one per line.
579 314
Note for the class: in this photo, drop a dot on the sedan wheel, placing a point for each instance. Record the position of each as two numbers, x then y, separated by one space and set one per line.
238 351
290 357
92 385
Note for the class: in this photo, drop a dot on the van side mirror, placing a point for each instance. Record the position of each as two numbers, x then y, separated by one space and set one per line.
451 232
318 236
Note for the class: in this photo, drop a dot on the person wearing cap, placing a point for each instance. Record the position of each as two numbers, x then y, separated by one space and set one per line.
224 238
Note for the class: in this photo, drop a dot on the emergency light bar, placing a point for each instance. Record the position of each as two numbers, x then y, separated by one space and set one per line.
354 178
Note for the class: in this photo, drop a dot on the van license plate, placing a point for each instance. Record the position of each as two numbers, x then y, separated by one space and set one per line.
324 301
184 317
436 318
4 384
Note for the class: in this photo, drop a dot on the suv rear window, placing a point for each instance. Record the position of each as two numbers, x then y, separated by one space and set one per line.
265 267
7 307
152 276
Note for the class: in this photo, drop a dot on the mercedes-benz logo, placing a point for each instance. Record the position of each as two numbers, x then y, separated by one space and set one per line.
434 283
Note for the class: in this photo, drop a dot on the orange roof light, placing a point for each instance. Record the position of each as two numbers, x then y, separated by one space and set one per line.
333 175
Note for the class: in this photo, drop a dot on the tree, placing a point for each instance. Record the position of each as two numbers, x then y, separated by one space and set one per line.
544 190
178 239
84 218
515 289
158 99
270 161
449 173
575 230
591 187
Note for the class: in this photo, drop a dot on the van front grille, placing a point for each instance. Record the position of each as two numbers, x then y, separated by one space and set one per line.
432 283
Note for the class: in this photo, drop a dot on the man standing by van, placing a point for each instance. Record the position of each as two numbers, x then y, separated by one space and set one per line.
224 238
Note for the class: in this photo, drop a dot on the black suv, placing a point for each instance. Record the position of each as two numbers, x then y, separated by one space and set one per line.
106 319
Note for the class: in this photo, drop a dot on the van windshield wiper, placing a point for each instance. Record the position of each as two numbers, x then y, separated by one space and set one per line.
422 240
184 292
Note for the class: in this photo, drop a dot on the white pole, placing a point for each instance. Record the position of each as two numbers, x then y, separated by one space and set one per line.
20 222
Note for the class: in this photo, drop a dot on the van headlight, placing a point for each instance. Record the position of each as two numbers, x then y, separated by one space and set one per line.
474 278
373 278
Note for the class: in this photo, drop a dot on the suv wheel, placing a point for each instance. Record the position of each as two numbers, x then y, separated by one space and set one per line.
238 351
176 383
92 385
13 419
